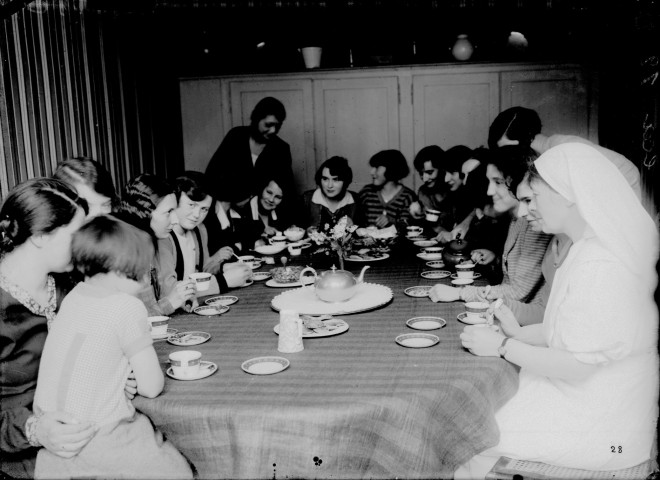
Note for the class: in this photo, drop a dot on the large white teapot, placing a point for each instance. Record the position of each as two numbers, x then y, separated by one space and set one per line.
334 285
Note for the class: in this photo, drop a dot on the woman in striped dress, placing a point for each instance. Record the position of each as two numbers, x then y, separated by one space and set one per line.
386 201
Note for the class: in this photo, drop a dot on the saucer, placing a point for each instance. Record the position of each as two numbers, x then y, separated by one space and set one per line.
206 369
435 264
222 300
275 284
474 275
435 274
259 276
425 243
187 339
419 291
426 323
170 331
211 310
462 281
463 318
246 284
417 340
265 365
430 256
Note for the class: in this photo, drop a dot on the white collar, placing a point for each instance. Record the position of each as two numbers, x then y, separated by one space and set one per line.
254 207
222 215
321 199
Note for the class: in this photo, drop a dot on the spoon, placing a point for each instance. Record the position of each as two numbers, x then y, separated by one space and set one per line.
240 260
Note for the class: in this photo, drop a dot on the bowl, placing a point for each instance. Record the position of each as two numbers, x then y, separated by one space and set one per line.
270 249
294 234
286 274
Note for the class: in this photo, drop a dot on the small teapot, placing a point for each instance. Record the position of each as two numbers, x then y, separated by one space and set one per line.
334 285
456 251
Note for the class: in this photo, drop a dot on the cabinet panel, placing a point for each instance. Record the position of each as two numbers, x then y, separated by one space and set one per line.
298 128
559 96
355 118
454 109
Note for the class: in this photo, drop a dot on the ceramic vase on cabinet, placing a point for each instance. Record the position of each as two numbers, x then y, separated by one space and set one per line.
463 48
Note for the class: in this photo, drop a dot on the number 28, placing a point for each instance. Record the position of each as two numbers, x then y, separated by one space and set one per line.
618 449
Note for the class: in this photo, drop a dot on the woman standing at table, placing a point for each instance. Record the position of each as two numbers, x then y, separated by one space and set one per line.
524 248
148 202
589 373
331 199
386 201
37 221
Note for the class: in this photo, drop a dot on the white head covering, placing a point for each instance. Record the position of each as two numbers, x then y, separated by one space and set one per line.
606 202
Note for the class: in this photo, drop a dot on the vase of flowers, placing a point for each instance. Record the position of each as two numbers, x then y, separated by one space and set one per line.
335 240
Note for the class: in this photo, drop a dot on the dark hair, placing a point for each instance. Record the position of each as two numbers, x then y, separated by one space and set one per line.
193 184
88 172
267 106
431 153
476 187
396 166
107 244
35 207
337 166
455 157
264 181
517 123
513 161
140 198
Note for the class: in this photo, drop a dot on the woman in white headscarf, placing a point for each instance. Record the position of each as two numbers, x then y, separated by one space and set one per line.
589 373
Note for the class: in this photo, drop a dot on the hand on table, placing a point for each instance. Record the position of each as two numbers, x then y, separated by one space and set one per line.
481 340
444 293
482 256
62 434
270 231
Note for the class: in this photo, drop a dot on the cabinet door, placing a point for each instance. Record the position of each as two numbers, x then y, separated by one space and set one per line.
356 118
452 109
298 128
559 96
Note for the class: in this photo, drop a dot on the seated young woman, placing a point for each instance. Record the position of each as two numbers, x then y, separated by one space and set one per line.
386 201
268 212
524 248
37 221
185 250
431 195
148 202
588 394
91 181
331 199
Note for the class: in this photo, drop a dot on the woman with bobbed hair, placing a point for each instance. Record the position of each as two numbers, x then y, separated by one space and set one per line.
386 201
148 202
331 200
92 182
37 221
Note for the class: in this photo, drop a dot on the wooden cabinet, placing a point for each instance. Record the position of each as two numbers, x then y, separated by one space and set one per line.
355 113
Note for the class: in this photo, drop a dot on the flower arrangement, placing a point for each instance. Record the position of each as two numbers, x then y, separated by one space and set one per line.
337 238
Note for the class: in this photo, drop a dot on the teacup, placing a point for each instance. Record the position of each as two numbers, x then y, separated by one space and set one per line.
295 251
185 363
277 240
476 309
202 280
465 270
414 230
158 324
432 215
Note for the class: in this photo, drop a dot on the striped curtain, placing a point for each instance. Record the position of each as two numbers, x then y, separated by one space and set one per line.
67 89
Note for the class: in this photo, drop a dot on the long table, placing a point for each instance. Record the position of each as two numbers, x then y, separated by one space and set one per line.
355 405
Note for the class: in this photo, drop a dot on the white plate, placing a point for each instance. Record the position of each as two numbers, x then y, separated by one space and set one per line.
417 340
211 310
334 326
187 339
367 258
224 300
430 256
418 291
435 274
463 317
206 369
260 276
170 331
462 281
426 323
436 264
275 284
425 243
265 365
474 275
270 249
